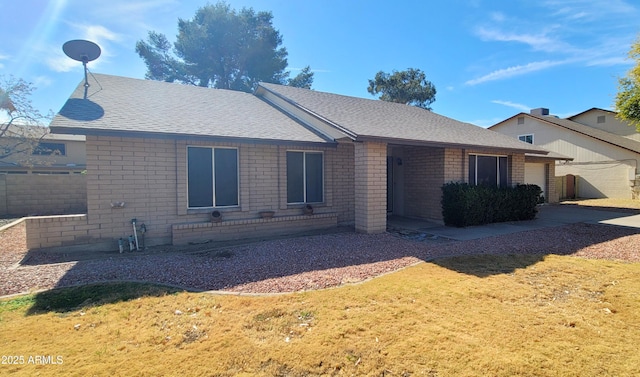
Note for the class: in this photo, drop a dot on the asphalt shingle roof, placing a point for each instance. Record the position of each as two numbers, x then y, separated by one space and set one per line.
120 104
395 122
596 133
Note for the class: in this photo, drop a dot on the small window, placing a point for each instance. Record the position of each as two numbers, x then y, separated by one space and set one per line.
212 177
488 170
601 119
520 120
305 177
526 138
47 149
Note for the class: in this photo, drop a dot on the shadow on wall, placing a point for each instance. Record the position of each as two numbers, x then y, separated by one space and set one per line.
587 190
574 186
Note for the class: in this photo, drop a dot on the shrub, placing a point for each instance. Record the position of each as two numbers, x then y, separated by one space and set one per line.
466 205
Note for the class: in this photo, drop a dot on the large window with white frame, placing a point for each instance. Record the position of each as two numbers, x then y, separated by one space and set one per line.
305 177
488 170
212 177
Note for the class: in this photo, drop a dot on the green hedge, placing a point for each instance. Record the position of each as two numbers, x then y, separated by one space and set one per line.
466 205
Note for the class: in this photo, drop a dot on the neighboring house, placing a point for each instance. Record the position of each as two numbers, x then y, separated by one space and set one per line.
53 153
604 151
168 155
47 177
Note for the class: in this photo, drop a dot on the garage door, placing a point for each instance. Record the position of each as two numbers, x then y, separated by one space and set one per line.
534 174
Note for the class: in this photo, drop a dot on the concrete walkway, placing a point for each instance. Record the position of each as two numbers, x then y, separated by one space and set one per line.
548 216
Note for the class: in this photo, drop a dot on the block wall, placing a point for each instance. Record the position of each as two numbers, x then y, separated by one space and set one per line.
42 194
371 187
58 231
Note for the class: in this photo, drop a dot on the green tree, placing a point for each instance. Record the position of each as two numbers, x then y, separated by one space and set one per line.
220 48
304 79
21 124
627 102
410 87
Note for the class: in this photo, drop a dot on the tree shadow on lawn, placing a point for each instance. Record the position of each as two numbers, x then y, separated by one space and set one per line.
309 263
68 299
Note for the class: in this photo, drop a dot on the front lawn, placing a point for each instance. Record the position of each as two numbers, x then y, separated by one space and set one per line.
605 203
465 316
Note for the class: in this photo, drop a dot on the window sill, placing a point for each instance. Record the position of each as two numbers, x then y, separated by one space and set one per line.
194 211
225 223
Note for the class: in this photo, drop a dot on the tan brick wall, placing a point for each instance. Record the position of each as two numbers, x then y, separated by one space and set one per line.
149 176
427 169
343 177
371 187
43 194
516 169
250 228
58 231
424 177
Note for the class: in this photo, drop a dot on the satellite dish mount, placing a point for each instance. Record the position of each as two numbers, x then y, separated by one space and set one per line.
82 51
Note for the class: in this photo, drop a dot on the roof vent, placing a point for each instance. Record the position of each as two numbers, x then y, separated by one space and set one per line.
540 111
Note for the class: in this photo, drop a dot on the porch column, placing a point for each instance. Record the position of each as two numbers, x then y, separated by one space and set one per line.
371 187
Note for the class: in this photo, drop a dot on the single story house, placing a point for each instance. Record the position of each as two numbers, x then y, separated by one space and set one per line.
604 151
168 155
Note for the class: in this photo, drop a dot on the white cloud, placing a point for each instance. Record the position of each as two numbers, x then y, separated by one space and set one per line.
42 81
98 34
3 57
539 42
584 33
588 9
517 106
136 17
605 62
59 62
515 71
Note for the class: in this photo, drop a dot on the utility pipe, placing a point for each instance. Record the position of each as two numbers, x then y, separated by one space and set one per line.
135 233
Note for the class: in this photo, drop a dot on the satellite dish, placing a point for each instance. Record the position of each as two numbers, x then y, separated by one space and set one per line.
82 51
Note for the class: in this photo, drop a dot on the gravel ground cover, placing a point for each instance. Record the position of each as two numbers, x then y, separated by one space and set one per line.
296 264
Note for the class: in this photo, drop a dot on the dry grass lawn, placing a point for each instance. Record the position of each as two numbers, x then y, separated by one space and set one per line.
466 316
607 202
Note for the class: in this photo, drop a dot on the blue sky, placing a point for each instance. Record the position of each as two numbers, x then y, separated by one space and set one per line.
488 59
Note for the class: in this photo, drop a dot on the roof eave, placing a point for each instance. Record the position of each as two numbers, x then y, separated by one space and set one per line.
434 144
183 136
585 133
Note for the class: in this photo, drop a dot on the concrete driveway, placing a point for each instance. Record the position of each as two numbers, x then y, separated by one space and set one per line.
548 216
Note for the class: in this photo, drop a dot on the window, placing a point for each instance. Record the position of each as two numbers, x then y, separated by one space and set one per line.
526 138
47 149
212 177
488 170
304 177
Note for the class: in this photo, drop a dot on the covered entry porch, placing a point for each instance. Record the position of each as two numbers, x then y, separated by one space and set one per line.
406 179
